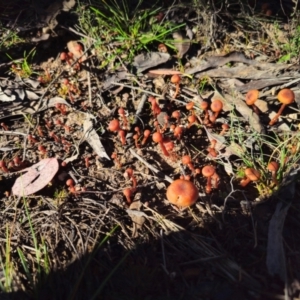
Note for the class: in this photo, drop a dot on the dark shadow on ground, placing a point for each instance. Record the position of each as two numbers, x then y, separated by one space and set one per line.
114 273
140 274
218 260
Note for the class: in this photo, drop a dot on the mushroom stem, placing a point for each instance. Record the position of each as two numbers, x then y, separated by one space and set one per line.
154 106
208 185
273 167
147 133
163 148
127 192
274 179
129 172
251 175
122 137
208 171
256 110
216 179
286 97
136 141
216 107
204 107
176 80
186 160
158 138
245 182
275 118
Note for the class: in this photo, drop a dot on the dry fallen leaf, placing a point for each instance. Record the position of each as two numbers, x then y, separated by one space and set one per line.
182 43
146 61
137 217
91 136
220 140
36 177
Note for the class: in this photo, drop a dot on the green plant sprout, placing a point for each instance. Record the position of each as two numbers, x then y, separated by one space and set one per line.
292 47
23 68
9 38
133 30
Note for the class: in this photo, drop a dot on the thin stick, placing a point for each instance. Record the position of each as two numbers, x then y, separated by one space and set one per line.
156 171
89 85
13 133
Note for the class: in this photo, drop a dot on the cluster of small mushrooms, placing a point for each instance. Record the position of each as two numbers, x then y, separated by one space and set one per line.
183 192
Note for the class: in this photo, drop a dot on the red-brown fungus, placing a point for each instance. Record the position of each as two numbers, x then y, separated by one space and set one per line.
182 193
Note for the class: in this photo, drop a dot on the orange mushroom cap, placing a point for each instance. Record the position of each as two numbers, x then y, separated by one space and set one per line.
127 192
186 159
70 182
175 78
252 174
114 125
216 106
176 114
251 97
208 171
178 131
204 105
182 193
273 166
286 96
190 105
157 137
225 126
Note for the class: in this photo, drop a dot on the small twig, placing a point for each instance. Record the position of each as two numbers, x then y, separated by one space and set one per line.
140 108
136 88
89 86
13 133
25 145
228 196
78 33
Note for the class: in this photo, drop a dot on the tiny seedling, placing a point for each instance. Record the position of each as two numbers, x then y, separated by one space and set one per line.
22 68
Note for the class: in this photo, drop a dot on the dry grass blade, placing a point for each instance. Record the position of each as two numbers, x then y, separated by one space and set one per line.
165 72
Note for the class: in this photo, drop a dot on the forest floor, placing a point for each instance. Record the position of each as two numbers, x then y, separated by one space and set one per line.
85 91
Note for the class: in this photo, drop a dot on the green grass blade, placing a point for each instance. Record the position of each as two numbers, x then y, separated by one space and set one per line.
25 266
